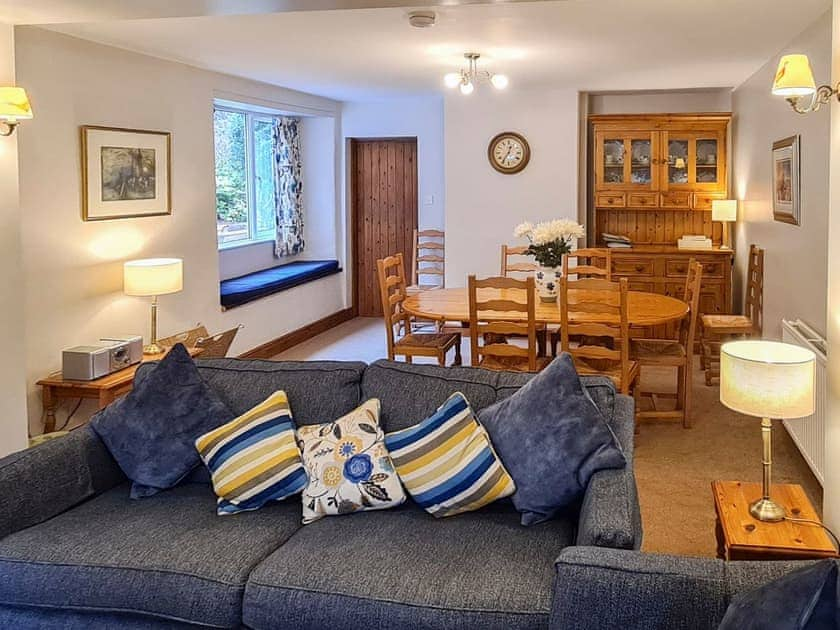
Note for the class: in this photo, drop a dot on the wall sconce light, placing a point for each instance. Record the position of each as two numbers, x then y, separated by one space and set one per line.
14 107
795 81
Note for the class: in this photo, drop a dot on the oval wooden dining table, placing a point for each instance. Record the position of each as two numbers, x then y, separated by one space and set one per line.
643 308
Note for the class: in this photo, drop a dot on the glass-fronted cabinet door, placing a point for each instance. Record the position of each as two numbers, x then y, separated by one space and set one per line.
626 160
693 160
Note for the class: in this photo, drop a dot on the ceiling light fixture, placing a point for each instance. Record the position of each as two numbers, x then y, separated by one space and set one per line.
468 77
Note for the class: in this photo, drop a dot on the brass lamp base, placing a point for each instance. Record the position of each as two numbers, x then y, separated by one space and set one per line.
767 510
153 348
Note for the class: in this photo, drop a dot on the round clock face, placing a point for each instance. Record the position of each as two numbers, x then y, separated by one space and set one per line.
509 152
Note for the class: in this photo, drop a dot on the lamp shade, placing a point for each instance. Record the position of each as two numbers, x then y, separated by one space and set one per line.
14 104
767 379
794 77
153 276
724 209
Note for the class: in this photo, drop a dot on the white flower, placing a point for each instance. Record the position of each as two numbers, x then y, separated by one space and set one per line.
523 229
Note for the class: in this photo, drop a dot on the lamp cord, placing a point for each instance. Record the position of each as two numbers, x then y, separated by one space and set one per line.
818 524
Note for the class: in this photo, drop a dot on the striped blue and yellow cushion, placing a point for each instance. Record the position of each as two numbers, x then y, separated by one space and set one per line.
254 458
447 462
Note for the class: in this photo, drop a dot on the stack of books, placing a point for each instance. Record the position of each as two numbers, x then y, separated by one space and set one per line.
694 241
616 241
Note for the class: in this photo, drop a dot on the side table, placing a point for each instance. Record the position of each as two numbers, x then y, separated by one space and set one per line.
742 537
104 390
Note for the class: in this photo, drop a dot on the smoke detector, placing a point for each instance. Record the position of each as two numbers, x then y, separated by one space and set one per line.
421 19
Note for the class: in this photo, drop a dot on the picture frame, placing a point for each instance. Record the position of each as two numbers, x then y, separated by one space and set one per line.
126 173
786 180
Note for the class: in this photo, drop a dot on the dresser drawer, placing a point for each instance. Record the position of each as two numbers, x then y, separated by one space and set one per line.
610 200
678 267
642 200
675 199
703 201
633 267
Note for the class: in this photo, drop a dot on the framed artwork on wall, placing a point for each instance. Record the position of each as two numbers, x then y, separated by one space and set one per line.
126 173
786 206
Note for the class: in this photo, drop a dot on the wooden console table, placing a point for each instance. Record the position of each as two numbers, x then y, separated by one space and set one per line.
742 537
104 390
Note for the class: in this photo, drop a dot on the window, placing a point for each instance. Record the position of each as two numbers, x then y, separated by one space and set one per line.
244 176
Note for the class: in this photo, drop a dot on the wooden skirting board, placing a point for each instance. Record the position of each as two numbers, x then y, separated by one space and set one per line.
289 340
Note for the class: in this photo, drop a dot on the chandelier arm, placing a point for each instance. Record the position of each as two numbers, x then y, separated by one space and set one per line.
9 130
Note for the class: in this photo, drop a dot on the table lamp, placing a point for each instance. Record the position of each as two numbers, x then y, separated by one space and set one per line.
767 379
724 210
153 277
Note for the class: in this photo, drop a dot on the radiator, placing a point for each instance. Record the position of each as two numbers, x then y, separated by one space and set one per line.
809 433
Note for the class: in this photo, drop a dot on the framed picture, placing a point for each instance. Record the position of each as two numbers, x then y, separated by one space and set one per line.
786 180
125 173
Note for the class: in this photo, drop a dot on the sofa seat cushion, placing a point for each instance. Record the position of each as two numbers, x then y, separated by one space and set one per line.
168 556
403 568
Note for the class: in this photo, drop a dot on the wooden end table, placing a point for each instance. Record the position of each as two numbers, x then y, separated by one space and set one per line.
104 390
742 537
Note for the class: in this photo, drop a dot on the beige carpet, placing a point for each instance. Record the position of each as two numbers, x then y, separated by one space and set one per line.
674 466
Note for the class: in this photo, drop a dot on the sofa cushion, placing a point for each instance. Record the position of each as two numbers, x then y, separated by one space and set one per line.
447 462
411 393
348 466
168 556
404 569
151 432
318 391
254 458
552 438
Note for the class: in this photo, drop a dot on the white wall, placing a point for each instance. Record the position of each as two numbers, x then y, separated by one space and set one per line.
661 102
796 258
831 485
402 118
482 205
72 270
13 424
318 155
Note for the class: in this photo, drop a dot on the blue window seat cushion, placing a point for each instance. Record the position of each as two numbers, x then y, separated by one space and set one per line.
259 284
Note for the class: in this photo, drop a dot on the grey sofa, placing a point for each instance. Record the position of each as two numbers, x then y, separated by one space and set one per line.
76 552
609 589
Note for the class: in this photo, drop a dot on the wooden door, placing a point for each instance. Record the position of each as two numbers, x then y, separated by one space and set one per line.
384 197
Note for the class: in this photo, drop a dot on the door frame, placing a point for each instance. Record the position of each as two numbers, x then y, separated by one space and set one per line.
354 213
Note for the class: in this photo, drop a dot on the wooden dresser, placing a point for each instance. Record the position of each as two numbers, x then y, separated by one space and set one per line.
653 179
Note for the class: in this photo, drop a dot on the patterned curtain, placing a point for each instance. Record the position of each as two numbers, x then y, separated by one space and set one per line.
288 188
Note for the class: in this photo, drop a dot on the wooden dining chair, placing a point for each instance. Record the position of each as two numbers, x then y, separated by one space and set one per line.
489 327
392 288
511 263
595 309
677 354
590 262
714 329
428 261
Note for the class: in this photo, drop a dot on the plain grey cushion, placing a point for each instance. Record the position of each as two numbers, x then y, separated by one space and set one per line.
403 568
168 556
318 391
411 393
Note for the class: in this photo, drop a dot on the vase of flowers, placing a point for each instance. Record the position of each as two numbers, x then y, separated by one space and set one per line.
548 242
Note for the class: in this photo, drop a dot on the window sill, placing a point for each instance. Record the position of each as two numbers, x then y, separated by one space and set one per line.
240 244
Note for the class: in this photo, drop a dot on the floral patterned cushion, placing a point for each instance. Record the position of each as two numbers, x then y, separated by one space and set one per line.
348 466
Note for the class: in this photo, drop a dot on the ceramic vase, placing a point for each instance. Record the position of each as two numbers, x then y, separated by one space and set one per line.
548 282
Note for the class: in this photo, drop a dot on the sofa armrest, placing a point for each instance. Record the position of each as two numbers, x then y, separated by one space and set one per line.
613 589
41 482
610 515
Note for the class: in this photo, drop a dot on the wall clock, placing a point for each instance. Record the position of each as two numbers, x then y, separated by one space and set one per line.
509 152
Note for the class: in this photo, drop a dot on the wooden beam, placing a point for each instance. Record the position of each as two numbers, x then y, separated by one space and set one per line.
274 347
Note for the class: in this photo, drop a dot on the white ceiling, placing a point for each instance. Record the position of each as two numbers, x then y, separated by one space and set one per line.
372 54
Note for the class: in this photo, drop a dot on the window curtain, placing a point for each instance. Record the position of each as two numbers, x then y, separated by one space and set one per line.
288 188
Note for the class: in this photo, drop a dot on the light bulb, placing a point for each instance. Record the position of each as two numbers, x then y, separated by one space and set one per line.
499 81
467 88
452 80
